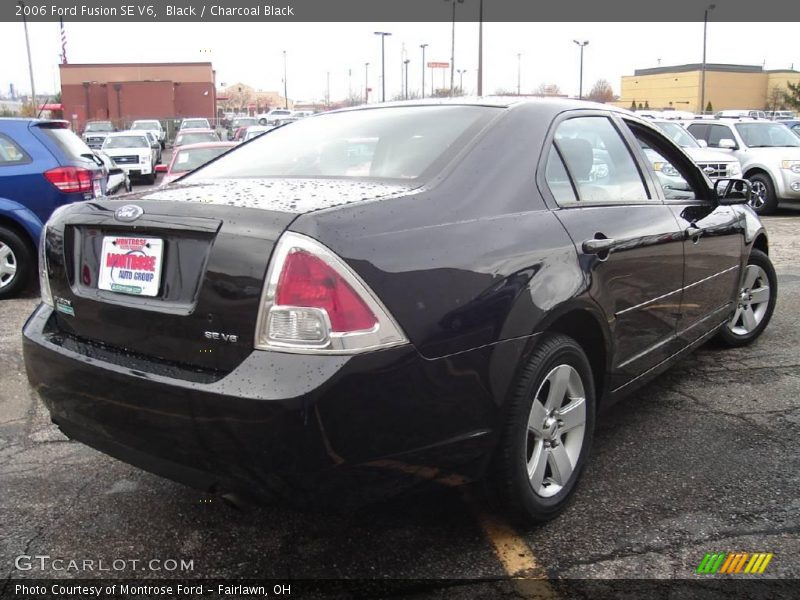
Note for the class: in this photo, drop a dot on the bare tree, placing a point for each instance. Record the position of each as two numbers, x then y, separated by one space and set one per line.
547 89
601 92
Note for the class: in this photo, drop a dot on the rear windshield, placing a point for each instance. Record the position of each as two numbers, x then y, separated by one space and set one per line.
69 143
149 125
127 141
183 139
383 143
244 122
189 123
191 158
99 126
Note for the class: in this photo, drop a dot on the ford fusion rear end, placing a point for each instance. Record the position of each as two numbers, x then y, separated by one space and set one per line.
190 331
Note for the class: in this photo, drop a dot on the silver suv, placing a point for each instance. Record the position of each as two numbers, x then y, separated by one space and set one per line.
769 153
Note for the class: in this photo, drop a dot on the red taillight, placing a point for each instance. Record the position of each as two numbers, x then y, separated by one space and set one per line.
70 179
307 281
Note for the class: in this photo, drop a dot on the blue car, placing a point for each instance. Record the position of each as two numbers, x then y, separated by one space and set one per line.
43 165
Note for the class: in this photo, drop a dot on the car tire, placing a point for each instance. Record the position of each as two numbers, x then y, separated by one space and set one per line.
17 263
262 121
151 178
763 200
526 469
755 303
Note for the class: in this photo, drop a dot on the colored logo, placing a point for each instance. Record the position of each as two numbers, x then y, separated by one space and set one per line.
734 563
129 212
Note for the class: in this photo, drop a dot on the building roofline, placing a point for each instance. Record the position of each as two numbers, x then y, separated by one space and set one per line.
136 64
719 67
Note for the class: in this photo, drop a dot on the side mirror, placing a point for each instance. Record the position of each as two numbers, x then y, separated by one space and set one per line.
702 143
161 168
733 191
727 144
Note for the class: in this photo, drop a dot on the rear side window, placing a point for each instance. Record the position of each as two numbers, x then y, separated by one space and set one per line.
70 144
600 164
11 153
558 179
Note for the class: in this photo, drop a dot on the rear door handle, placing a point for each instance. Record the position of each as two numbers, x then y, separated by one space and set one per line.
598 246
693 232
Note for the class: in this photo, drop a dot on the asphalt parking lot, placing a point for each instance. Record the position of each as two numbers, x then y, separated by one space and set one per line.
703 459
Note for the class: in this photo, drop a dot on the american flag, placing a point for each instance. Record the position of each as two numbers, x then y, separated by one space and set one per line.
63 43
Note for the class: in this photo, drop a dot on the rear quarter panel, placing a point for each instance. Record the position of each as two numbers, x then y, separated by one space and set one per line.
472 259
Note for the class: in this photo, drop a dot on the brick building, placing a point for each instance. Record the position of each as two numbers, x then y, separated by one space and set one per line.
124 92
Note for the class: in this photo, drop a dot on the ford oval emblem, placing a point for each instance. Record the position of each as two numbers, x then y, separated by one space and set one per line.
129 212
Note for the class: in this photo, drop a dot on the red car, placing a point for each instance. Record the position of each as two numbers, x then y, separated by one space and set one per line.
191 156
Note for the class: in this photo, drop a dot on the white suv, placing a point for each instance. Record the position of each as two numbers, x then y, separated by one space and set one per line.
153 126
132 152
272 117
769 153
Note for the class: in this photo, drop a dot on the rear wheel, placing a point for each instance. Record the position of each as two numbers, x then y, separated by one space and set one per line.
763 200
16 263
755 302
548 431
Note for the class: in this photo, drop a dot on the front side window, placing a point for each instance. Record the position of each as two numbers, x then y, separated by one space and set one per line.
600 164
382 143
678 135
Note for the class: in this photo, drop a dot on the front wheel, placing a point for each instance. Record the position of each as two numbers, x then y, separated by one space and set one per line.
763 200
548 431
755 302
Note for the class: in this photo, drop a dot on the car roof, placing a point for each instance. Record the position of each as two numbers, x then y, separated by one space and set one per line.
546 104
206 145
127 133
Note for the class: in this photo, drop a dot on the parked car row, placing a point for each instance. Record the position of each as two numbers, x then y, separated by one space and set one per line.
765 152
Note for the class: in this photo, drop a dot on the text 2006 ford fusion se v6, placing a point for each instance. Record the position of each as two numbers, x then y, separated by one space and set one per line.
459 286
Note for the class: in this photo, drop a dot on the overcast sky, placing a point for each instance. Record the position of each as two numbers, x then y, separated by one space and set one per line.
252 52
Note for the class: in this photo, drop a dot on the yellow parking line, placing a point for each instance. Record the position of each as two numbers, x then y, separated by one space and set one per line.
514 554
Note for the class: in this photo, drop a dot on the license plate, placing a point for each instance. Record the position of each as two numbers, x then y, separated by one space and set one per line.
131 265
98 190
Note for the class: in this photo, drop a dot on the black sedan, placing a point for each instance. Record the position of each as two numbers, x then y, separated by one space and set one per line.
393 295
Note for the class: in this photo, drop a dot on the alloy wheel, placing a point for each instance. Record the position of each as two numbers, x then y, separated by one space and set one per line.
8 265
556 430
759 196
752 302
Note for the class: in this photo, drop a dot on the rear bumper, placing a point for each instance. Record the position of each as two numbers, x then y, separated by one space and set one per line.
326 425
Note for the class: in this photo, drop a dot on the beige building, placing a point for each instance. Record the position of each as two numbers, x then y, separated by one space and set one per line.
726 87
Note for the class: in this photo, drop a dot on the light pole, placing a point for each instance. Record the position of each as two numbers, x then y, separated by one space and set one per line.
423 46
285 84
461 80
383 35
480 48
405 62
30 62
327 89
709 8
453 45
519 74
366 83
580 80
